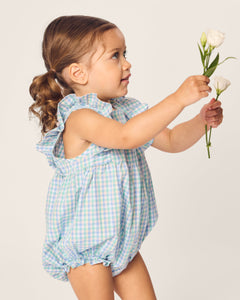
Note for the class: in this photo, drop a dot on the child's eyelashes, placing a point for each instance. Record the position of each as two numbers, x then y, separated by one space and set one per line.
116 55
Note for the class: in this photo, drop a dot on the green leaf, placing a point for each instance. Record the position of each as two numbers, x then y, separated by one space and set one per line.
226 59
215 62
212 67
209 71
202 55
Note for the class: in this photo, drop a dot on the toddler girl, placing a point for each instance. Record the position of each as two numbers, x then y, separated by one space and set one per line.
100 203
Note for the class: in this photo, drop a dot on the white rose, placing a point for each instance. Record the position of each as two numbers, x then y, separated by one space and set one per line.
221 84
215 38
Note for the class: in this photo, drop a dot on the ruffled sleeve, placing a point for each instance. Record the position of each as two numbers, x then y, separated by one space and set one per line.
52 144
132 107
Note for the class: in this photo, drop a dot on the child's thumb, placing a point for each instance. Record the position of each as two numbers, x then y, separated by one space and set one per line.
211 102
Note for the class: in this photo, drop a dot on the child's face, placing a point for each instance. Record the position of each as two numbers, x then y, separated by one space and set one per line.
109 71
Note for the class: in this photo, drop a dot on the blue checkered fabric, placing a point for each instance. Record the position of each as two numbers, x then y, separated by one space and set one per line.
101 204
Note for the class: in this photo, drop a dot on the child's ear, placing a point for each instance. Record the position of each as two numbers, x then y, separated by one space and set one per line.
78 73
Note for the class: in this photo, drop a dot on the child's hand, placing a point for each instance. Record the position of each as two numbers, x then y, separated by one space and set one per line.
211 113
193 89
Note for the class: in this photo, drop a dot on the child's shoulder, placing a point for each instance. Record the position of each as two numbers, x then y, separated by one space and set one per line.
131 106
72 102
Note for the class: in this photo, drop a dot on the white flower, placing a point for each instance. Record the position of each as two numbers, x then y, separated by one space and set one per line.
215 38
221 84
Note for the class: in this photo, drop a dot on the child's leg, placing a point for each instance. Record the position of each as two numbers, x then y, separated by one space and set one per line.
134 282
91 282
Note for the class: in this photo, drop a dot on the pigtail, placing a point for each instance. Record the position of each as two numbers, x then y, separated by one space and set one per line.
46 93
66 40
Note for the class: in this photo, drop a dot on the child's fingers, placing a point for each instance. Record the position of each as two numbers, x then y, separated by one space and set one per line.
214 104
216 123
202 78
215 117
205 88
213 100
213 113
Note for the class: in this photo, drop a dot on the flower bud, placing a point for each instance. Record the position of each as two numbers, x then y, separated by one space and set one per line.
203 39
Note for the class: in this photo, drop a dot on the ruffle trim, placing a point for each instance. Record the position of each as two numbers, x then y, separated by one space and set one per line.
72 102
52 146
130 106
67 105
60 275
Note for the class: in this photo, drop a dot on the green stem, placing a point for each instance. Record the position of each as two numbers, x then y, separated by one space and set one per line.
208 58
208 151
204 54
206 134
208 140
210 133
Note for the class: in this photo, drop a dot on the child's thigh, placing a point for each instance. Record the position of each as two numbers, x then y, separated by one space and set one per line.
134 282
91 282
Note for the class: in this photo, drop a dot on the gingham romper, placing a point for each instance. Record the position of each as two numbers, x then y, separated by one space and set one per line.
101 204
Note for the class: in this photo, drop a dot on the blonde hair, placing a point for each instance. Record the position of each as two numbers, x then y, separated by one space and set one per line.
66 40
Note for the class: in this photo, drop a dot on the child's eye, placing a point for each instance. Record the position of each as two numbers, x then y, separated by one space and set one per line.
115 55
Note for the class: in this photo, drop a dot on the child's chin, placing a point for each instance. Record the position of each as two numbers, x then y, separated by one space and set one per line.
124 93
121 94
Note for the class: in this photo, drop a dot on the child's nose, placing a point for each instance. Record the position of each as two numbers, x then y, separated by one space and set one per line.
126 65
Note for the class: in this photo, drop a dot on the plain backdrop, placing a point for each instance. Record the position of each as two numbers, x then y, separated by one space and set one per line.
194 250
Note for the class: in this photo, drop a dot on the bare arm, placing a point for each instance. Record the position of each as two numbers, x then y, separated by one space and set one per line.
106 132
91 126
186 134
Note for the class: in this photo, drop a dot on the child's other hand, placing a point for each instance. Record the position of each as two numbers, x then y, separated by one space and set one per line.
212 113
193 89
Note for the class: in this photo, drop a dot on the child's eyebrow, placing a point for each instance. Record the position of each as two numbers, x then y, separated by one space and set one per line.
117 49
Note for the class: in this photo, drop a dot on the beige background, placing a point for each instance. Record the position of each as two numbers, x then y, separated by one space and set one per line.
193 252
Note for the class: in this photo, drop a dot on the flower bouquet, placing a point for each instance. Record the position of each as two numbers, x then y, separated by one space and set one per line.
213 39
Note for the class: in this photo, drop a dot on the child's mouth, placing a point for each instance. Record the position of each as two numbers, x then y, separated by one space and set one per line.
126 78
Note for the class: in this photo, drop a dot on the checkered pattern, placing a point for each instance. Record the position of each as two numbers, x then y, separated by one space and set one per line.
101 204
